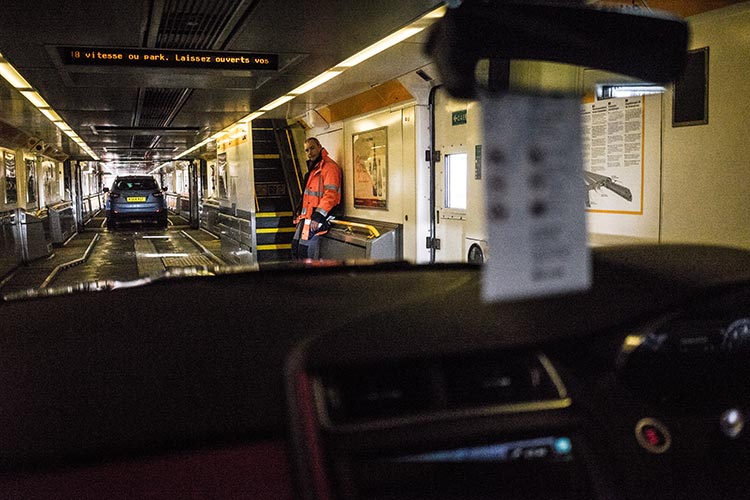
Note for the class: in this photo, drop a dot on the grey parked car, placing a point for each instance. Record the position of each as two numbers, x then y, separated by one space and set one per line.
136 198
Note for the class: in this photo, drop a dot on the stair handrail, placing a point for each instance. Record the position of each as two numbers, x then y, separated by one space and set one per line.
350 226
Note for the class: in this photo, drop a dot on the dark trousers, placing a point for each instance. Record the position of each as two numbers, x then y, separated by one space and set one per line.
305 249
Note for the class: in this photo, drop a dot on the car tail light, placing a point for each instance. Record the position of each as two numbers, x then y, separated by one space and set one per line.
158 194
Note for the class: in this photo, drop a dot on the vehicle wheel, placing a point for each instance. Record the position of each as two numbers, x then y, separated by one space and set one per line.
476 256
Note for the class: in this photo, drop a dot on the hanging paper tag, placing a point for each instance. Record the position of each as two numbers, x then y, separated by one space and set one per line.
535 197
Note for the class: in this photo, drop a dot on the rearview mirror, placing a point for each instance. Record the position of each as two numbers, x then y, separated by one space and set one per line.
651 46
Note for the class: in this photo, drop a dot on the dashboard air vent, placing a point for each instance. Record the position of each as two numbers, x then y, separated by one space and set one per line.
382 391
431 388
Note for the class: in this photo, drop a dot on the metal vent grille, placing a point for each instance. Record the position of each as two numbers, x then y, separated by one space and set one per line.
159 106
144 142
198 25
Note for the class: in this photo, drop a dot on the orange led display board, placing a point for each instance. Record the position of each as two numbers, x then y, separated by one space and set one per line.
168 58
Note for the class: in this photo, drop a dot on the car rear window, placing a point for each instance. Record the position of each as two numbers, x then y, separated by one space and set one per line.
135 184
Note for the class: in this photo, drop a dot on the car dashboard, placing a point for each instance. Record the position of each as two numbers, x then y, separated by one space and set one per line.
389 381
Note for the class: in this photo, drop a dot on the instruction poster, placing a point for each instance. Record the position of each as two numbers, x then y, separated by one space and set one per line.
371 168
612 134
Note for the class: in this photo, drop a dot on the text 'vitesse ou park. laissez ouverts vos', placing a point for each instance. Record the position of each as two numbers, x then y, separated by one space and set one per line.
166 58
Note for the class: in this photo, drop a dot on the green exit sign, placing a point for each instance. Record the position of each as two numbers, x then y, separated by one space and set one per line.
458 117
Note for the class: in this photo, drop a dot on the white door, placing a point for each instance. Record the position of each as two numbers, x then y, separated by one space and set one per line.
451 177
451 204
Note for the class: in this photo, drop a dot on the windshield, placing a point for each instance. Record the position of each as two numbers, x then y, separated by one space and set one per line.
351 178
404 249
134 184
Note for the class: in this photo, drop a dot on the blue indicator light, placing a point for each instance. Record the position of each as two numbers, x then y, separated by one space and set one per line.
563 446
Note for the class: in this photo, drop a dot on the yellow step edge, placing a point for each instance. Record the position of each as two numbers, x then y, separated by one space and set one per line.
267 157
268 230
274 214
281 246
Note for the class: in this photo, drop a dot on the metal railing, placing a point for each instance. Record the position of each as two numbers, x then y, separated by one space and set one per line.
90 205
237 239
10 256
352 227
178 204
362 240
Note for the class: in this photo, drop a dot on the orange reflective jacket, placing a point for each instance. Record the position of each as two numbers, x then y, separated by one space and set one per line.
322 190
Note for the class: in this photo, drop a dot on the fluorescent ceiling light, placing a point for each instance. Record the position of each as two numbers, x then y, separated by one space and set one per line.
51 115
380 46
251 117
12 76
318 80
35 98
63 126
197 146
159 167
437 13
278 102
394 38
9 73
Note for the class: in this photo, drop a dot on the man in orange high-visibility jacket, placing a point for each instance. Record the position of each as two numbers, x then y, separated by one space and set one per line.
321 197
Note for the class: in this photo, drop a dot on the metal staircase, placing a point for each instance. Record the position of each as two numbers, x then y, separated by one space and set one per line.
277 190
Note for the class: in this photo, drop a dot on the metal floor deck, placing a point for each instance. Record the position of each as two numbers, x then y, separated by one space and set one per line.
128 253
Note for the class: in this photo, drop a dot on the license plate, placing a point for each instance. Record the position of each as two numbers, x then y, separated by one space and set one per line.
136 198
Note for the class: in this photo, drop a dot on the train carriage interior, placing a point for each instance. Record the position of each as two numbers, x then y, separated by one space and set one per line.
535 285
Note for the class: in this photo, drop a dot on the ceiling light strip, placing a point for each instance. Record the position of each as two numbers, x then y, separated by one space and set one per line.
380 46
14 78
197 146
359 57
51 115
35 99
318 80
278 102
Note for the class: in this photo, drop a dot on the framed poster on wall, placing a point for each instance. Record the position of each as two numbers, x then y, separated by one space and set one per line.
221 178
370 152
11 195
31 181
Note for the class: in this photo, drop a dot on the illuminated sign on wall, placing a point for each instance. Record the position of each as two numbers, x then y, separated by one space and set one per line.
168 58
458 117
